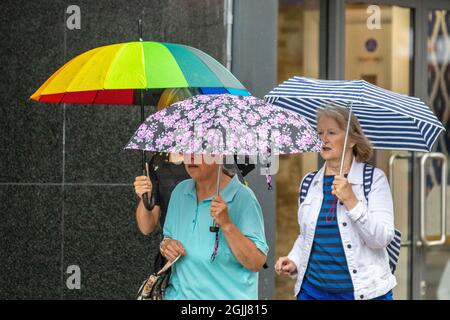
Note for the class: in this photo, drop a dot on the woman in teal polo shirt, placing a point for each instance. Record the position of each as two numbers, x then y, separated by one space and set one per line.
242 250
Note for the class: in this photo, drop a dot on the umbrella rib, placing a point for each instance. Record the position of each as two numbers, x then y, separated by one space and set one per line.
204 64
414 123
95 97
203 58
144 72
81 69
49 80
299 83
118 53
346 100
435 138
62 97
365 91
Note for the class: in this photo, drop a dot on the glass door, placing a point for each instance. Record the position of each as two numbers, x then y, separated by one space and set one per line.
379 49
435 264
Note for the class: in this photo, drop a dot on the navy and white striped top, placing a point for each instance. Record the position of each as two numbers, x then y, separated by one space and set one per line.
327 268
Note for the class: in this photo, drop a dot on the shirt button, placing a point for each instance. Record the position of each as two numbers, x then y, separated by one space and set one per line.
349 246
361 296
344 224
354 271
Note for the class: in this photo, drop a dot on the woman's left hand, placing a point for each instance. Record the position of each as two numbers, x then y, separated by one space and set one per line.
219 211
342 189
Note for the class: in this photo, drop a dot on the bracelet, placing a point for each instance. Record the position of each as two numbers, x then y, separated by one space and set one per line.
162 243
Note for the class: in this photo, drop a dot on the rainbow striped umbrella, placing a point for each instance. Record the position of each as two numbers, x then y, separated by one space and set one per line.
138 73
120 73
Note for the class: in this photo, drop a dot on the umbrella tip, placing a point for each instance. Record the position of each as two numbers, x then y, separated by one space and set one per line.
140 29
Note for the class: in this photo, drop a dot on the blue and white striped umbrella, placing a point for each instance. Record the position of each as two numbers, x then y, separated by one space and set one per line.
389 120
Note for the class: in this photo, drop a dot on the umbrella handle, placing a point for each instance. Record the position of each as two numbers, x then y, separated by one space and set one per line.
149 204
215 227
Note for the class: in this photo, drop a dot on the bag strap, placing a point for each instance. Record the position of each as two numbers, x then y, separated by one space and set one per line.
167 266
368 179
304 186
393 247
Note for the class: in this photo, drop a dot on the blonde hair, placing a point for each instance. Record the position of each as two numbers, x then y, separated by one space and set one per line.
363 149
173 95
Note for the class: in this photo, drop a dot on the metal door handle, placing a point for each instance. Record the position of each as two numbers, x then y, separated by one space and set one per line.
423 160
392 159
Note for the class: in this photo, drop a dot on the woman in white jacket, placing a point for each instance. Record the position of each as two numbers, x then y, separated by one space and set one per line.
340 252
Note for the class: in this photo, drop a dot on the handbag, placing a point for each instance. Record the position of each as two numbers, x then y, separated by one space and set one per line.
154 287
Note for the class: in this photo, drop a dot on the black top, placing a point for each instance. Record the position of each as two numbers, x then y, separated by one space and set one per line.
165 176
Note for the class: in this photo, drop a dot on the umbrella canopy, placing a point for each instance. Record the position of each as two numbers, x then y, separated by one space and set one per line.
225 124
388 119
145 73
117 73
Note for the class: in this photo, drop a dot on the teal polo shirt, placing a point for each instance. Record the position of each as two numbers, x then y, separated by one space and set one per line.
194 276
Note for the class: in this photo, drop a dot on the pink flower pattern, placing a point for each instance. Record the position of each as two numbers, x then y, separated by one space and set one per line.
248 125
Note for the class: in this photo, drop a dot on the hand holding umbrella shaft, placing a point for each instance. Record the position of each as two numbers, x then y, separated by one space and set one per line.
219 211
142 184
342 189
242 247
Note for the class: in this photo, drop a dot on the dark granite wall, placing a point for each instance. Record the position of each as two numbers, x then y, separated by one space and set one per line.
66 195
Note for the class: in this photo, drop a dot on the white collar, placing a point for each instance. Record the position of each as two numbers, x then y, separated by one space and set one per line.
355 175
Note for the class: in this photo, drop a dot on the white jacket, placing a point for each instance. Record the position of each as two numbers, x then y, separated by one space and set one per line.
366 230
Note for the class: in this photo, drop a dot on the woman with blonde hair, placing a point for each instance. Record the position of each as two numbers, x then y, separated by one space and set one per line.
345 228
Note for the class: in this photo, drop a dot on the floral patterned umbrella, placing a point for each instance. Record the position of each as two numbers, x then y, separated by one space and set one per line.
225 124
